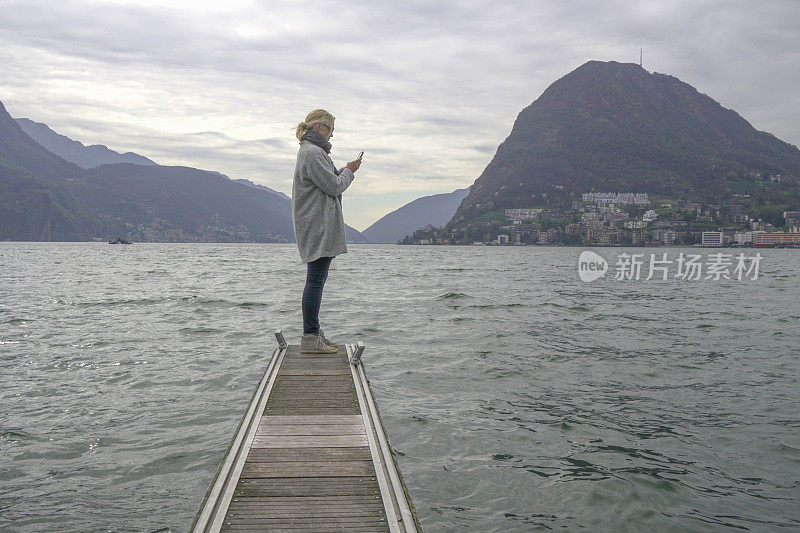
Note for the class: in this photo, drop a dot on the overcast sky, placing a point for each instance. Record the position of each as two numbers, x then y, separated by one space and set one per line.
427 89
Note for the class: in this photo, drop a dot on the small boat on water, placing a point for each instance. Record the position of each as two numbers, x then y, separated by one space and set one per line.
119 240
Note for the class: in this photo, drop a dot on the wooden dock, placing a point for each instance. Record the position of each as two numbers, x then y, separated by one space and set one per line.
310 454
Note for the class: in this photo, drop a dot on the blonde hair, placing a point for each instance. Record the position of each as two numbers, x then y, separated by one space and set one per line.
318 116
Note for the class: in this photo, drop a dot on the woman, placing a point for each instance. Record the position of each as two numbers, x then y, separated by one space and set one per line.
317 217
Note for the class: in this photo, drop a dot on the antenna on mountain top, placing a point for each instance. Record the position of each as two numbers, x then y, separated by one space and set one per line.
640 56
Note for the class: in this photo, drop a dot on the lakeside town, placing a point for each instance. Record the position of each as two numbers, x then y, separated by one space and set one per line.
621 219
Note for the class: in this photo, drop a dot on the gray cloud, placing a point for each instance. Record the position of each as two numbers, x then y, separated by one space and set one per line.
427 89
485 148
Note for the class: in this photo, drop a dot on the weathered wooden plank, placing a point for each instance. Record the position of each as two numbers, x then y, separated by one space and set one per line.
337 357
275 455
280 500
316 372
319 367
314 362
310 408
319 398
291 521
333 486
324 371
322 509
278 411
300 527
353 524
306 402
310 404
314 400
314 419
303 379
244 513
294 349
256 516
340 523
363 511
310 429
322 382
307 469
312 393
312 390
290 379
283 410
315 359
292 527
312 385
363 524
358 523
299 441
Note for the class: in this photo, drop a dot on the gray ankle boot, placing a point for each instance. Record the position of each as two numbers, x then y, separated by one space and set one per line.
314 343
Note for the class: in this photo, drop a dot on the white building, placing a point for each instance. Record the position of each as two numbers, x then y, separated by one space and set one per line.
745 237
712 238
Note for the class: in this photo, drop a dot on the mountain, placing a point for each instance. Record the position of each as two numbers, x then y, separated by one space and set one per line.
75 151
181 203
262 187
35 203
614 127
436 210
353 236
32 209
18 149
44 197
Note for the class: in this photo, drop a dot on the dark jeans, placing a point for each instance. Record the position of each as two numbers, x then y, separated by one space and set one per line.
312 294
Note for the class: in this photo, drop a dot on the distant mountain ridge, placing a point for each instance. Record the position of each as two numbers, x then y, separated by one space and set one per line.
96 154
615 127
436 209
262 187
75 151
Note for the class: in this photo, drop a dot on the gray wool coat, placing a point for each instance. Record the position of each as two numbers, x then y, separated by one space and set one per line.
317 203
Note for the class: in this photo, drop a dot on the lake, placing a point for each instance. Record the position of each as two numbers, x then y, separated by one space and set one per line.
517 396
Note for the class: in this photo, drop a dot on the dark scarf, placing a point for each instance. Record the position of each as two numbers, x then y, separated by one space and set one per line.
316 138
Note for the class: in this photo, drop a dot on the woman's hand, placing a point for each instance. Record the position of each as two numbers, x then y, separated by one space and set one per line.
354 165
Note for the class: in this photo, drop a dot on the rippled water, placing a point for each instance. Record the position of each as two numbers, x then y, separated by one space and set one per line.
518 397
